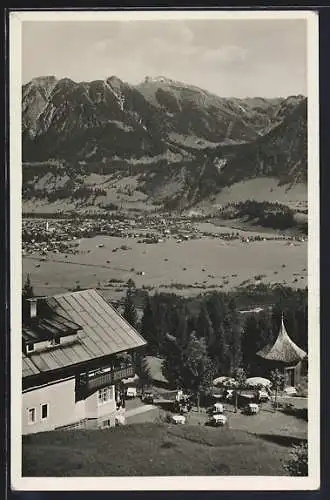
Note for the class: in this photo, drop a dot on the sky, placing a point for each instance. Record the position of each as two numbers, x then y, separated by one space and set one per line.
231 58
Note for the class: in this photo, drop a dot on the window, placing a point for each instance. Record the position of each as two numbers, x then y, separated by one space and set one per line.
105 395
30 347
55 341
106 423
44 411
32 415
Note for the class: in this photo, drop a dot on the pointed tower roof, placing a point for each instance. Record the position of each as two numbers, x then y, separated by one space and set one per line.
283 350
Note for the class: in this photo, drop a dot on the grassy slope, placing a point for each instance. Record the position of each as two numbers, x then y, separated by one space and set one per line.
151 449
259 189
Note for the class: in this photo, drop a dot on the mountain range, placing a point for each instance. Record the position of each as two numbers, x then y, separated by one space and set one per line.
160 143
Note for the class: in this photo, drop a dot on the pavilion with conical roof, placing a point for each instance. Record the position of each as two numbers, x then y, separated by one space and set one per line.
284 355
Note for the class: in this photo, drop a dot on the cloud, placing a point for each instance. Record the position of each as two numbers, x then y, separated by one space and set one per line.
226 54
227 57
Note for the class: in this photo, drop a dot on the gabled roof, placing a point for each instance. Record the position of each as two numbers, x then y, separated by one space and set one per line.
283 350
103 332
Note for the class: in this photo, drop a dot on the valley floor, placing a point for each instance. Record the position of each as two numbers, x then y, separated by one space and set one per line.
189 267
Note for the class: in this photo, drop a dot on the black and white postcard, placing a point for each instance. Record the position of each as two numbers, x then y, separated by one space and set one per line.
164 174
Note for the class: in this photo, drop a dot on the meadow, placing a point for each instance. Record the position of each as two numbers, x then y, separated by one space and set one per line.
188 267
153 449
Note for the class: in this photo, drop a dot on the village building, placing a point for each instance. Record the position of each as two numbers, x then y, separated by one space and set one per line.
77 350
285 356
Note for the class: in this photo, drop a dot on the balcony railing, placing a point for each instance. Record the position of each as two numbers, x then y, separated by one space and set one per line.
96 381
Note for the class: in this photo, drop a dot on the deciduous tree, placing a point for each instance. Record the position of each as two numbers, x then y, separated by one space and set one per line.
198 368
277 379
239 376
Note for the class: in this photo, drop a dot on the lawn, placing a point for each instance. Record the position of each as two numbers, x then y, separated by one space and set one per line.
152 449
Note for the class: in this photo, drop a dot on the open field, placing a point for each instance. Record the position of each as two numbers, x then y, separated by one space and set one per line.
189 267
260 189
153 449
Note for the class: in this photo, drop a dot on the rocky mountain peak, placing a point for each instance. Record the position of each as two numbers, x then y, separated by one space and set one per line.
168 132
115 82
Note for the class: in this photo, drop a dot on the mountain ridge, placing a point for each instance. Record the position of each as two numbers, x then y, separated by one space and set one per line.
172 137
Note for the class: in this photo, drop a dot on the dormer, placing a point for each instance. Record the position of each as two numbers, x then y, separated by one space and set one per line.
44 329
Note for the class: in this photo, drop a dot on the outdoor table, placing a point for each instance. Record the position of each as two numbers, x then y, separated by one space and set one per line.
131 392
263 395
290 391
219 419
178 419
253 408
218 407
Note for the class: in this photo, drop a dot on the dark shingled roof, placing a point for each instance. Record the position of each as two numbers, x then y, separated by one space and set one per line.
283 350
41 328
103 332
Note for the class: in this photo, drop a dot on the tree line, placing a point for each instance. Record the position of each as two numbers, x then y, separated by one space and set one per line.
205 338
212 338
266 214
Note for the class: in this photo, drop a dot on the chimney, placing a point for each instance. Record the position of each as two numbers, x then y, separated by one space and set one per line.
33 308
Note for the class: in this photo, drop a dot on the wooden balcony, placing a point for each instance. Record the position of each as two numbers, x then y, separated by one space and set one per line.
91 382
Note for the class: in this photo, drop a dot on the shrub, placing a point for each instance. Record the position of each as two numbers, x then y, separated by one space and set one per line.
297 465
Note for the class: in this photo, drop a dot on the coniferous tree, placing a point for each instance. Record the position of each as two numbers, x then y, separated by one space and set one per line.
181 331
143 371
234 335
250 341
130 313
148 327
257 333
302 325
161 304
276 316
266 334
291 323
220 350
191 324
204 328
27 291
173 362
216 308
130 284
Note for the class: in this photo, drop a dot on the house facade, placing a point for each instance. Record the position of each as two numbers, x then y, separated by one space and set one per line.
76 351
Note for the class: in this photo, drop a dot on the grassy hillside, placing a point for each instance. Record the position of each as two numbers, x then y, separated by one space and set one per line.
152 450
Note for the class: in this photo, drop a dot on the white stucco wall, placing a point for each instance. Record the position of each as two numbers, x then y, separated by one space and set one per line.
62 407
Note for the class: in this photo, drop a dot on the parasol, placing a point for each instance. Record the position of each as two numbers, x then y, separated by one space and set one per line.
255 381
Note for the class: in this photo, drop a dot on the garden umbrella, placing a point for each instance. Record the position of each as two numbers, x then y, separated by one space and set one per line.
222 381
255 381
